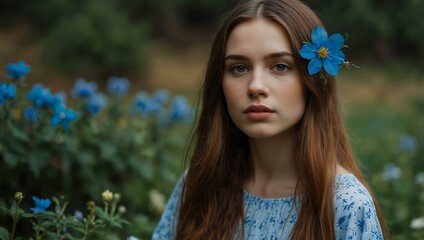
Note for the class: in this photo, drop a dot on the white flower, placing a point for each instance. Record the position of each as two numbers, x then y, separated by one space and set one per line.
157 199
419 178
417 223
122 209
132 238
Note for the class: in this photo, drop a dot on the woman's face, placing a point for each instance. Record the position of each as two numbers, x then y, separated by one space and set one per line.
262 84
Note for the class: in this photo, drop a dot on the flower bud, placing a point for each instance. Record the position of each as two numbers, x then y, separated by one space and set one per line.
116 196
19 196
107 196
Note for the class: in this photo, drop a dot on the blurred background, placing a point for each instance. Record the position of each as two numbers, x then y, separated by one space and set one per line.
161 47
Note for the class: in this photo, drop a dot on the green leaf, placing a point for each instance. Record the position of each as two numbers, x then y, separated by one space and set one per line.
145 170
28 215
12 210
10 159
52 236
17 133
4 234
107 150
4 209
38 160
116 224
100 213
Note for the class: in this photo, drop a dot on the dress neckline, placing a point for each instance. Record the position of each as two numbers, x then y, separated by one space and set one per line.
251 196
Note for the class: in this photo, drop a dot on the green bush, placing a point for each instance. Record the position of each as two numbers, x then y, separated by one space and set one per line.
99 37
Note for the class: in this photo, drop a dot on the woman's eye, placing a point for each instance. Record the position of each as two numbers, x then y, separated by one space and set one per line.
280 67
238 69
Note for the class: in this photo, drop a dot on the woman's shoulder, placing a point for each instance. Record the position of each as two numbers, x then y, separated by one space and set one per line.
347 187
354 209
351 195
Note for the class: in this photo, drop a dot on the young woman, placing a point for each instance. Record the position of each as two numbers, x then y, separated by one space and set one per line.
271 157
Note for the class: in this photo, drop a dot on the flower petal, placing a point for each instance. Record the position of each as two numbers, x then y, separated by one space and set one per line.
308 51
334 42
71 115
55 120
66 126
319 37
330 67
337 57
314 66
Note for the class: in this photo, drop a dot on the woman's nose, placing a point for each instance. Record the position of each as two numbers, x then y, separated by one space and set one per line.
257 86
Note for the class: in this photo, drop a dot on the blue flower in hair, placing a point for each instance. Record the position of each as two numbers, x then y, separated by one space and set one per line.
324 52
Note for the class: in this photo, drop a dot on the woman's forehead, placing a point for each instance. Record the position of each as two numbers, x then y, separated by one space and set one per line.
258 35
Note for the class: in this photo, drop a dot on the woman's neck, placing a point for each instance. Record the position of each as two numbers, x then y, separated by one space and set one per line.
273 174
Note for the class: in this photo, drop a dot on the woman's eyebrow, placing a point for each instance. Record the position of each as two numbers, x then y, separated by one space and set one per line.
235 57
278 55
267 57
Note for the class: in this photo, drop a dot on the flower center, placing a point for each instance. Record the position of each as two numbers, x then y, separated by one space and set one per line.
322 52
62 115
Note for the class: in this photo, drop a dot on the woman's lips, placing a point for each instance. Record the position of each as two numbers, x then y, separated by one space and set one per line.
258 112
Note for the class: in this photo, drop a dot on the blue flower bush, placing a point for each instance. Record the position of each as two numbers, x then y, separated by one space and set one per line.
54 145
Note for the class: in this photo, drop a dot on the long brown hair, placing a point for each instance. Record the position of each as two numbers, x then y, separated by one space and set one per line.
212 200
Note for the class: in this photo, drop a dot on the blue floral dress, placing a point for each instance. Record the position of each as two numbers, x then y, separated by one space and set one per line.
274 218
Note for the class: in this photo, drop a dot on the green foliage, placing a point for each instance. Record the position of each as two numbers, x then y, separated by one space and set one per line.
109 36
390 146
56 224
99 37
383 29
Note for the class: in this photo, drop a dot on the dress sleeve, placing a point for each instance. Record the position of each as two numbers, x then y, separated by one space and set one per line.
168 222
355 213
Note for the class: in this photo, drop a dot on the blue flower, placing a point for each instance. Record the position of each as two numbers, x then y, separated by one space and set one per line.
407 143
78 215
17 70
95 103
161 96
39 95
41 205
324 52
83 89
7 92
31 114
62 116
118 86
391 172
140 104
180 109
56 99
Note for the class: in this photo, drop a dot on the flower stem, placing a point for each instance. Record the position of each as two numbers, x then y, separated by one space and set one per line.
16 218
106 231
12 235
37 228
